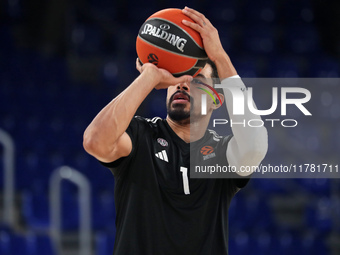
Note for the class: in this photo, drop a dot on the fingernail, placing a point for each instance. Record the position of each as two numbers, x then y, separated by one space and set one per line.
185 21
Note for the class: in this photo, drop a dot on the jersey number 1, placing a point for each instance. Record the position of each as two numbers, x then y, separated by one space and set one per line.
184 171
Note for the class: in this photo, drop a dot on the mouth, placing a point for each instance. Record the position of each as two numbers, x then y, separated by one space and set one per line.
180 97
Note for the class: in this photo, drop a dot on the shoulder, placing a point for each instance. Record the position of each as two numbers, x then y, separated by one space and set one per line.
142 123
218 138
141 127
213 135
155 121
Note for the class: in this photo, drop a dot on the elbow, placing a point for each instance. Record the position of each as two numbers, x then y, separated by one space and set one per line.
262 141
96 146
88 143
259 147
252 153
91 144
256 149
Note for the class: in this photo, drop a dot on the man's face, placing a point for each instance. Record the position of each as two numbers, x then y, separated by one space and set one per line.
184 99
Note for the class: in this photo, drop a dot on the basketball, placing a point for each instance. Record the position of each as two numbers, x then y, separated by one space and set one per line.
164 41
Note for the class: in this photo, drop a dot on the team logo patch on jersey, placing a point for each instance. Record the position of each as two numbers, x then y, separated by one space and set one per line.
207 152
162 142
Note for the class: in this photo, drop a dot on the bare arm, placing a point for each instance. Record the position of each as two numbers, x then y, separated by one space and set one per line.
105 138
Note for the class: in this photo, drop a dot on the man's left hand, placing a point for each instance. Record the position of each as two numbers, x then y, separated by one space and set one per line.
211 40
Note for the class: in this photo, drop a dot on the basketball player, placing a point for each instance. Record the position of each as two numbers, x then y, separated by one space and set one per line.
160 210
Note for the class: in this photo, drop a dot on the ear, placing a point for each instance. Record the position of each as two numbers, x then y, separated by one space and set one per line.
218 104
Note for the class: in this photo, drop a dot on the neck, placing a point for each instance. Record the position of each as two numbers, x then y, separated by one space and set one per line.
189 131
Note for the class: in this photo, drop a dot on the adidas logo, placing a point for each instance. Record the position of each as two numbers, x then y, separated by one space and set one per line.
162 155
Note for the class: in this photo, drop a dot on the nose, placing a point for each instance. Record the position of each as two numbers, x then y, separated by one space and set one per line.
183 86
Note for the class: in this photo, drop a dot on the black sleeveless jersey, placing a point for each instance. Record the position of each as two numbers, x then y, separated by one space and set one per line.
159 209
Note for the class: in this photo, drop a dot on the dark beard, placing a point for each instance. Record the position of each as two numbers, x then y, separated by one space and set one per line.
177 113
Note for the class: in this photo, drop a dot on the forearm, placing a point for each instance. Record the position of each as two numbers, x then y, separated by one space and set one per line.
112 121
224 66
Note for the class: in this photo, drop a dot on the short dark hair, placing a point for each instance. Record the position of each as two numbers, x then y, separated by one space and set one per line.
214 74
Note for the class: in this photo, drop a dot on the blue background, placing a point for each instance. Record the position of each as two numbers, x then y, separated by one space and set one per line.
62 61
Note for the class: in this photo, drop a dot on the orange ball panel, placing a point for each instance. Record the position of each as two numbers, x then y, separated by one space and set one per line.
172 62
176 16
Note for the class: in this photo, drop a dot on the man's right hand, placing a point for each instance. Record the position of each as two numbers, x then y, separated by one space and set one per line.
163 77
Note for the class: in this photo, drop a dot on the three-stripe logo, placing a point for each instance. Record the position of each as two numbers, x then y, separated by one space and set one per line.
162 155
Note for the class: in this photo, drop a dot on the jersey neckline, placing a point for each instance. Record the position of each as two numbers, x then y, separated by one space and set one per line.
182 142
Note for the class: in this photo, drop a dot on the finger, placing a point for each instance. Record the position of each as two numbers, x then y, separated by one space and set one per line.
138 65
182 79
194 26
193 12
196 16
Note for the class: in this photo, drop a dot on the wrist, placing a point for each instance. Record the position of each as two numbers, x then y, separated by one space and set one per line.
220 57
153 75
224 66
